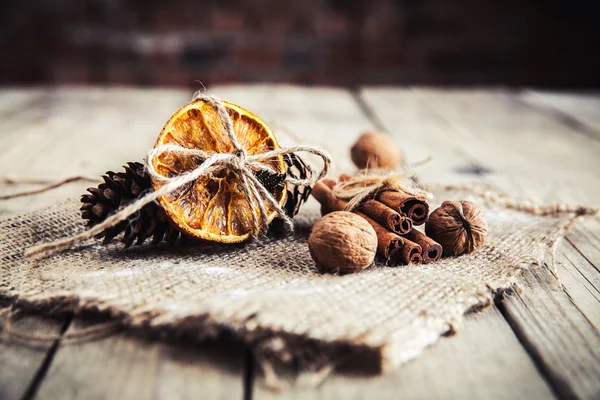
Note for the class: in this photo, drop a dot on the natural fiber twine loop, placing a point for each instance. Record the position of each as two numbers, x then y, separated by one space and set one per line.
238 161
361 188
365 186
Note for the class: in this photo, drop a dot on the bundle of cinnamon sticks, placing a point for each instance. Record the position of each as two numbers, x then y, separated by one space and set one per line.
393 214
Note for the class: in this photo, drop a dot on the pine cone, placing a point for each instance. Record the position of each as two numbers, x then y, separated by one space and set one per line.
120 189
296 168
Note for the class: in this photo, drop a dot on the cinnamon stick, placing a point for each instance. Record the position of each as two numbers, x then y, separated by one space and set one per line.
388 243
414 208
390 246
322 191
412 252
387 217
432 250
345 177
329 182
384 215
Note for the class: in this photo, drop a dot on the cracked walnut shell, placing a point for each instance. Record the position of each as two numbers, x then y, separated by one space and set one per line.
342 242
459 226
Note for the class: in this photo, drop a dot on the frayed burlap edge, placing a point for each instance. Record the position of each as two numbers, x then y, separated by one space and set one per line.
279 354
277 351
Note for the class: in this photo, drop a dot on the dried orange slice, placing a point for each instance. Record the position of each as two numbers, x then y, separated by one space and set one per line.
213 207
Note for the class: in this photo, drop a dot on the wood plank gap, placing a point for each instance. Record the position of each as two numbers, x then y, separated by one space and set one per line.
582 274
33 388
249 374
367 110
458 111
583 255
586 289
561 117
561 391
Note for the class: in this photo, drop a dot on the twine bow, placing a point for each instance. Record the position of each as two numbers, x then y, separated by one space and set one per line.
361 188
238 162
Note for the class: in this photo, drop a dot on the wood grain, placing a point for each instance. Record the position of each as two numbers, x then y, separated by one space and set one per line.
324 117
56 133
79 131
484 361
23 363
524 143
528 154
557 335
123 366
14 100
579 110
578 267
309 116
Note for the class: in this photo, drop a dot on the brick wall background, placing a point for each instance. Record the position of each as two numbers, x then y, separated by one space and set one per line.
176 42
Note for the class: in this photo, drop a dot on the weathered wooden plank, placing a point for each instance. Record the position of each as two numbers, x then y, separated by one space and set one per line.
531 155
523 151
561 354
214 370
484 361
586 238
87 131
580 257
80 132
12 100
324 117
581 281
126 367
557 334
334 120
22 362
311 124
580 110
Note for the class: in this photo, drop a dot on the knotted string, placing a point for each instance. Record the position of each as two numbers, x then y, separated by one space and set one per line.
361 188
238 162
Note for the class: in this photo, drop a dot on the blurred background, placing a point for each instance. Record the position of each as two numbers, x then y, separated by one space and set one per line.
551 43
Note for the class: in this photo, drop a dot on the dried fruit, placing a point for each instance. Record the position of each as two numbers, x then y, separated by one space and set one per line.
459 226
213 207
342 242
376 150
121 188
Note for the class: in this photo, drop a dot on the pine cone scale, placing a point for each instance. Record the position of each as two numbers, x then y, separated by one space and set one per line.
121 188
118 190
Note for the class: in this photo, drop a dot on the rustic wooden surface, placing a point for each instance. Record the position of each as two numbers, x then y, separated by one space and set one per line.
542 341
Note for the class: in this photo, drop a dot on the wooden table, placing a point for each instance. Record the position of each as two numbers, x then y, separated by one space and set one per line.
542 341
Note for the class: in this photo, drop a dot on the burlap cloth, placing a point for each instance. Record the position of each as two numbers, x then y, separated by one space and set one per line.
268 292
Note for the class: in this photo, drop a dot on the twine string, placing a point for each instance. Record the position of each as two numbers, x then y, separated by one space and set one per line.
361 188
238 161
529 206
49 184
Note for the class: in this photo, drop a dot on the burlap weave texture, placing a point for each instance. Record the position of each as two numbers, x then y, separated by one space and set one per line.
268 292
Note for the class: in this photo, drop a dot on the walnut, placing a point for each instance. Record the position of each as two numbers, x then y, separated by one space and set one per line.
459 226
376 150
342 242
